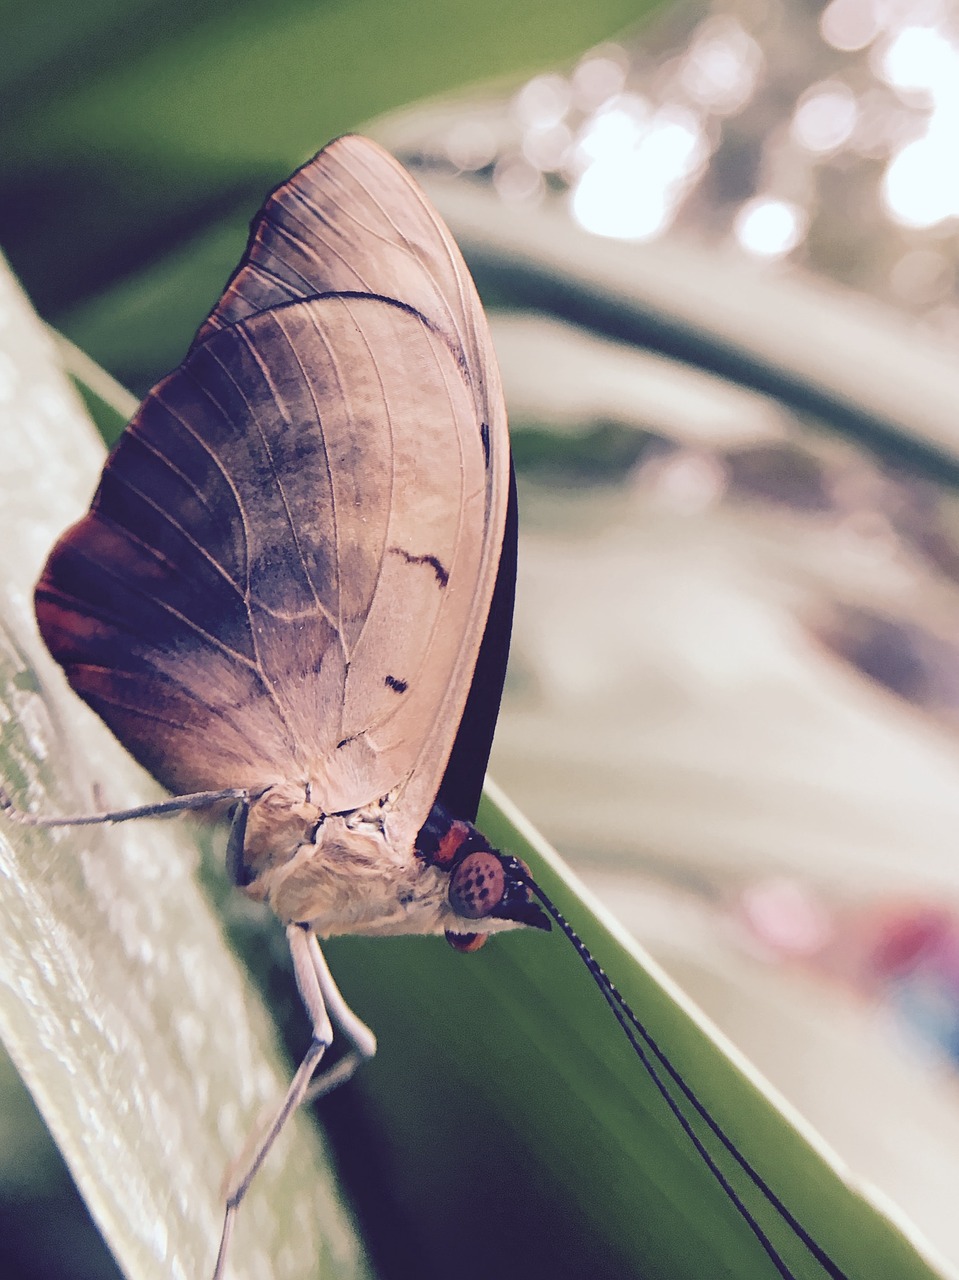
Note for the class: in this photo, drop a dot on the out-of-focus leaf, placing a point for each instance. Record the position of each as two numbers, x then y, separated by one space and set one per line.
566 378
136 1032
102 174
504 1089
109 404
858 366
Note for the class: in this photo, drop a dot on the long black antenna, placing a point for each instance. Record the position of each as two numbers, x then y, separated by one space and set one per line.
645 1045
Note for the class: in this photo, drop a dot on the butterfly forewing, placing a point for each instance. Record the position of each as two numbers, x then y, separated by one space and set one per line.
287 568
351 221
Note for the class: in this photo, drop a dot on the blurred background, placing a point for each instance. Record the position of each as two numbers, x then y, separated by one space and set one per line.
718 246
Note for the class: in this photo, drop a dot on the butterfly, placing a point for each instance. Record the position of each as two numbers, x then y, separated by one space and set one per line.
291 601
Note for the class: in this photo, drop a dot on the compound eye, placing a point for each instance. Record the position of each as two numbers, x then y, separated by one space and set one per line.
477 885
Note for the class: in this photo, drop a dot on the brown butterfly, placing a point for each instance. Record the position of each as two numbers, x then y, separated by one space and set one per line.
281 589
292 597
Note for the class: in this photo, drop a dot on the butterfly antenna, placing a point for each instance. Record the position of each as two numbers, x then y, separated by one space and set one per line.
646 1049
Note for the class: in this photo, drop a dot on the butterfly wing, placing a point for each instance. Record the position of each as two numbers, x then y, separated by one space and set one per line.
305 239
462 784
286 572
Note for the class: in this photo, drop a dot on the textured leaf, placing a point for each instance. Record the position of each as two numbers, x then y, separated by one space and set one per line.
134 1028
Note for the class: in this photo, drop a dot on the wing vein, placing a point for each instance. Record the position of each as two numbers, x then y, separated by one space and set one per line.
277 479
163 512
131 585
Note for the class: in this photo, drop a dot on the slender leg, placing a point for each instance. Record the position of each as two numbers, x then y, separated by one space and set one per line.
360 1036
162 809
325 1005
241 1180
312 996
235 841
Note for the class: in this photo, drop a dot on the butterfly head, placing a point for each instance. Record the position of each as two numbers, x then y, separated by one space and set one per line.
484 884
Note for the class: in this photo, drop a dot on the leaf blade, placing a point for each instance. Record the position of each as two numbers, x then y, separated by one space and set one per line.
130 1021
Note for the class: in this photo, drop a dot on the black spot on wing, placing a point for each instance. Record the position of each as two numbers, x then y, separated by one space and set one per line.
442 574
398 686
484 437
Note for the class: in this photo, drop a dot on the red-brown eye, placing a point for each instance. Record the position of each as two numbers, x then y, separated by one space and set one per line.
477 885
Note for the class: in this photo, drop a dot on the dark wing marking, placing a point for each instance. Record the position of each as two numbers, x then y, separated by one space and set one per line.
442 576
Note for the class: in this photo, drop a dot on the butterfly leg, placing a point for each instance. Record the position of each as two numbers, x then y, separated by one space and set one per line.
235 841
361 1038
161 809
323 1002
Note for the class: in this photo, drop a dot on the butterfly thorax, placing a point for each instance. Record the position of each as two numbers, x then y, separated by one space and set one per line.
341 873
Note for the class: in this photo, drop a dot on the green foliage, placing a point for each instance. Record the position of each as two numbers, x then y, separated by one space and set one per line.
600 453
129 131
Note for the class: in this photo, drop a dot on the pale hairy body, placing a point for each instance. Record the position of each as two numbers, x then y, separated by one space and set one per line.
342 873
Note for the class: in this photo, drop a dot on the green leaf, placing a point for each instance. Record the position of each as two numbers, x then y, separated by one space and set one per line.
504 1093
860 367
156 121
